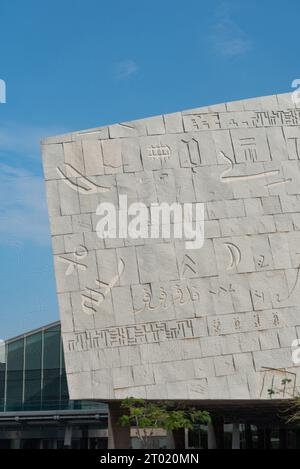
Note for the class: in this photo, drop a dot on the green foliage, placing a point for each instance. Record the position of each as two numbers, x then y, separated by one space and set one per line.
147 416
292 413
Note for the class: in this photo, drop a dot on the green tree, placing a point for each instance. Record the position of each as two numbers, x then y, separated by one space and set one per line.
147 416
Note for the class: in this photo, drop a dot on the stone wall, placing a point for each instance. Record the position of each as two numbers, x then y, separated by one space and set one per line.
149 318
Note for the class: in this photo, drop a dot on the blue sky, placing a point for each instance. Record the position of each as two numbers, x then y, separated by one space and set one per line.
76 64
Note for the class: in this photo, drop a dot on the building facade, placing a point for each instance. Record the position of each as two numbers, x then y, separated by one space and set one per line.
35 409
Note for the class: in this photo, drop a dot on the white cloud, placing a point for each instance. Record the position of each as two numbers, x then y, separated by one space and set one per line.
125 69
23 213
227 38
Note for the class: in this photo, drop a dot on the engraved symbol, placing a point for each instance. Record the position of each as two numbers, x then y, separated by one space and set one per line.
277 118
179 295
147 300
293 147
80 253
90 303
278 183
205 121
112 166
279 299
261 262
235 255
188 265
84 225
247 177
276 320
257 320
92 299
233 123
128 335
257 119
237 324
127 126
250 149
198 388
223 291
108 286
163 296
217 326
194 294
159 151
258 297
163 177
193 151
85 186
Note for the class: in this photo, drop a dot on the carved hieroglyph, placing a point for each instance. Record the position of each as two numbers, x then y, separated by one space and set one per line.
148 318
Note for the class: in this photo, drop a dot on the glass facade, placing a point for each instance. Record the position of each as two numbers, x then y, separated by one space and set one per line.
33 377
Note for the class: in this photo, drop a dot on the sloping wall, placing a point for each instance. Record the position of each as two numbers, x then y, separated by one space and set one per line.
149 317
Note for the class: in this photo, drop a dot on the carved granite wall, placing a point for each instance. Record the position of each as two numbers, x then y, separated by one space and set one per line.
148 318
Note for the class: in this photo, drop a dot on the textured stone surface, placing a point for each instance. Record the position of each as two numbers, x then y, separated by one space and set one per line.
147 318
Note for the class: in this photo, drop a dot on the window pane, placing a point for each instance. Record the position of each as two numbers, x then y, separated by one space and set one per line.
33 374
51 369
52 348
15 361
51 387
64 393
2 386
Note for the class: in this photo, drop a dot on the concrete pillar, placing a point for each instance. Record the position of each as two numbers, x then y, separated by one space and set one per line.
236 441
211 436
186 438
68 437
110 439
118 436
